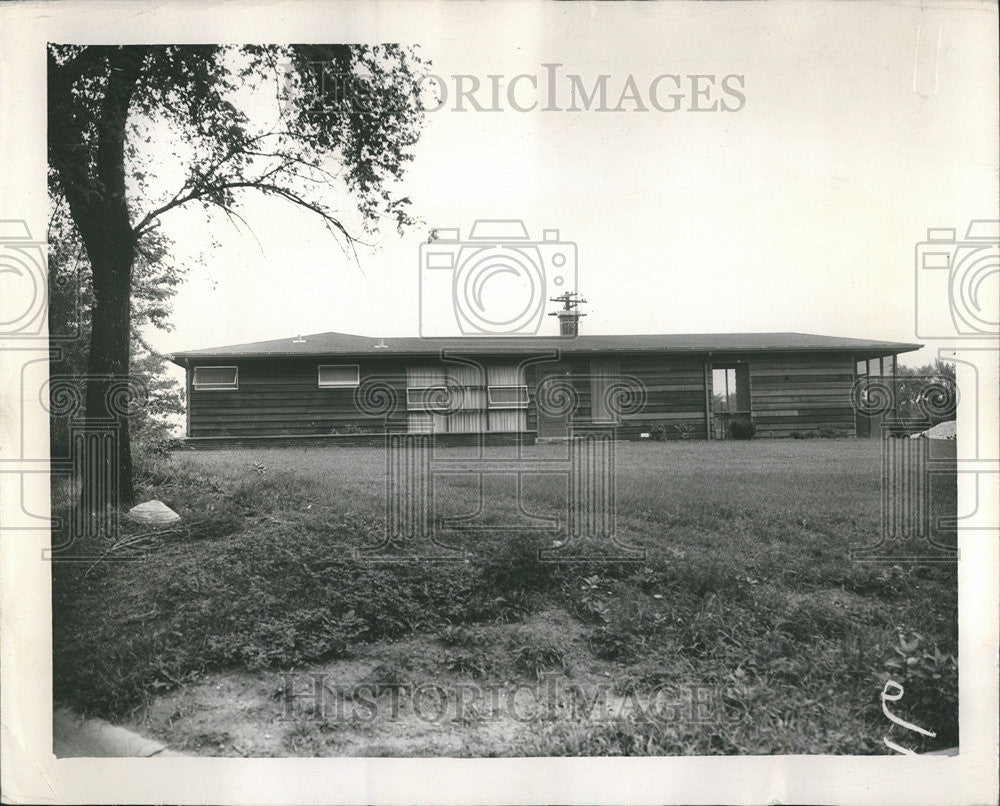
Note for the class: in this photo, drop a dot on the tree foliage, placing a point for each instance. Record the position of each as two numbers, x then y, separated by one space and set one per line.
136 132
155 279
340 117
928 393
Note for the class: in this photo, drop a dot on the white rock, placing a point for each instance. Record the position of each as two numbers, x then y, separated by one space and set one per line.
152 512
944 430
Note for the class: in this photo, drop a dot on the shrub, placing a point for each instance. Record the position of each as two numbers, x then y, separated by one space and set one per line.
742 429
658 433
150 448
684 430
511 567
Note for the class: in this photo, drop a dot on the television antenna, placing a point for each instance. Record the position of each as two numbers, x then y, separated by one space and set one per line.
570 303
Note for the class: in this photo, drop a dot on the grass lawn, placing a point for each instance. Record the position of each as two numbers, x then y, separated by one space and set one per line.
263 625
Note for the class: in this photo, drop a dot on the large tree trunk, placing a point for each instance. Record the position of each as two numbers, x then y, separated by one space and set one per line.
110 390
92 173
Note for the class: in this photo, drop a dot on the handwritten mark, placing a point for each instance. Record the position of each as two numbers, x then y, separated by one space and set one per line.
893 692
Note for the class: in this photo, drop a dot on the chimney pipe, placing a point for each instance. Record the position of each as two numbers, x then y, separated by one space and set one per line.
569 315
569 323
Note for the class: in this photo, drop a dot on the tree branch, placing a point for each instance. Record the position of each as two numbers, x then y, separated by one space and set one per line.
261 184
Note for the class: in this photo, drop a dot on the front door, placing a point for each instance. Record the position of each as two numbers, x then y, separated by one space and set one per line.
553 400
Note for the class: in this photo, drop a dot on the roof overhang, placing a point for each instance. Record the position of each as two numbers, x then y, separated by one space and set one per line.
554 346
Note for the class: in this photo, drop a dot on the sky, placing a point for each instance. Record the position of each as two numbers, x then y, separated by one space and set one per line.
861 126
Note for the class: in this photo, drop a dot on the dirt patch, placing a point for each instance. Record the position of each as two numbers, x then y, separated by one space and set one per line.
406 698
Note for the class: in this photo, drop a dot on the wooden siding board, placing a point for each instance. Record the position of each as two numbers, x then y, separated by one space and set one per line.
284 397
789 392
802 394
674 389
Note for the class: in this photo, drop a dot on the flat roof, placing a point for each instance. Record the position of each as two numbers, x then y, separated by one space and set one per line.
334 344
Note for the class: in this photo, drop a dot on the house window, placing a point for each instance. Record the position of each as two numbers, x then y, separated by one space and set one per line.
731 389
334 375
511 396
427 398
466 397
216 378
874 373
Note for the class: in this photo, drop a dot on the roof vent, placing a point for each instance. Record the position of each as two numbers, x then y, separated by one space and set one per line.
298 340
381 345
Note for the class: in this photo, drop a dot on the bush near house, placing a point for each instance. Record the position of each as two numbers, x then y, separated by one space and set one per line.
742 429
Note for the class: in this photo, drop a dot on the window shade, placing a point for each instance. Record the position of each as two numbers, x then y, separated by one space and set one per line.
338 375
215 378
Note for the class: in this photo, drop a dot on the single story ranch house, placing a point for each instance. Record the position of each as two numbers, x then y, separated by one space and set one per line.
338 387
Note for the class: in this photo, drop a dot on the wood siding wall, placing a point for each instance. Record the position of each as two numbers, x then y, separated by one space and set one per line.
789 392
803 393
673 387
675 396
283 398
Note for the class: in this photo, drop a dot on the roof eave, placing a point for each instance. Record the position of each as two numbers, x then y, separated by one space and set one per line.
893 348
